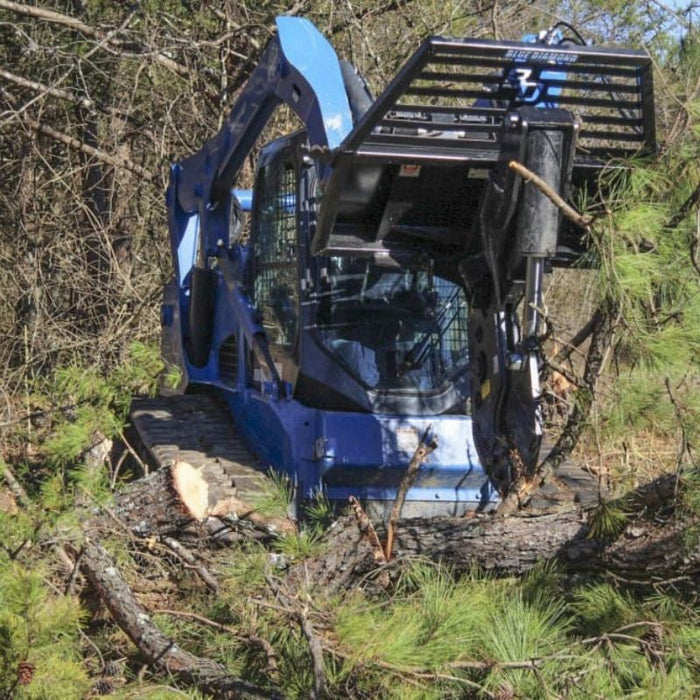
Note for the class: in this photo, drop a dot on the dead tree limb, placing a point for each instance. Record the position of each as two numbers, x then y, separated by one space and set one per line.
15 486
100 569
190 561
425 447
567 210
316 651
581 336
78 145
47 89
59 93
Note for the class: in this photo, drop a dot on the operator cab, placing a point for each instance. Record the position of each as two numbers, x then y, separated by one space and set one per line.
365 331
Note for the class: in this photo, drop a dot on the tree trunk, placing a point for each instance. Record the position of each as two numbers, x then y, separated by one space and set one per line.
170 498
651 548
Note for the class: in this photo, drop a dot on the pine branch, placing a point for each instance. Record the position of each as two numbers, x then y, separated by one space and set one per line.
300 613
261 642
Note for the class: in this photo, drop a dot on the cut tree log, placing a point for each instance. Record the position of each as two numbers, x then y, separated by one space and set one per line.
172 497
651 549
168 499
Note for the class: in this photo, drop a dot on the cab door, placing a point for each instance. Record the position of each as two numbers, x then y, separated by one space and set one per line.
275 259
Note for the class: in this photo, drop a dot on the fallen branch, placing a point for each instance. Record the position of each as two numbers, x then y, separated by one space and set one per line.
316 649
17 489
190 561
566 209
367 528
159 650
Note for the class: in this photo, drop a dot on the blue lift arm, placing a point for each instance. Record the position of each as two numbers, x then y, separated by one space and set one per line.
299 68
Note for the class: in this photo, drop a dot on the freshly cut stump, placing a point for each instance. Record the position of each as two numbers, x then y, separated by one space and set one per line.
171 497
176 495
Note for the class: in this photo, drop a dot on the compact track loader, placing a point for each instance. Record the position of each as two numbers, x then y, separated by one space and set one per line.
388 290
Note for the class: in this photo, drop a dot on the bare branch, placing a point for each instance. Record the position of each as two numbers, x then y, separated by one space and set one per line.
60 94
190 561
47 89
127 48
578 339
78 145
567 210
425 447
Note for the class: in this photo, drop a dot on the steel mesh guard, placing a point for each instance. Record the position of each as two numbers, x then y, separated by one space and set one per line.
452 96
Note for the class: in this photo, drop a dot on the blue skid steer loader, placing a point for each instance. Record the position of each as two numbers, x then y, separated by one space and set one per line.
380 287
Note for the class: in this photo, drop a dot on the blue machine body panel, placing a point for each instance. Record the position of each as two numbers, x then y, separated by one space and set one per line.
340 453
